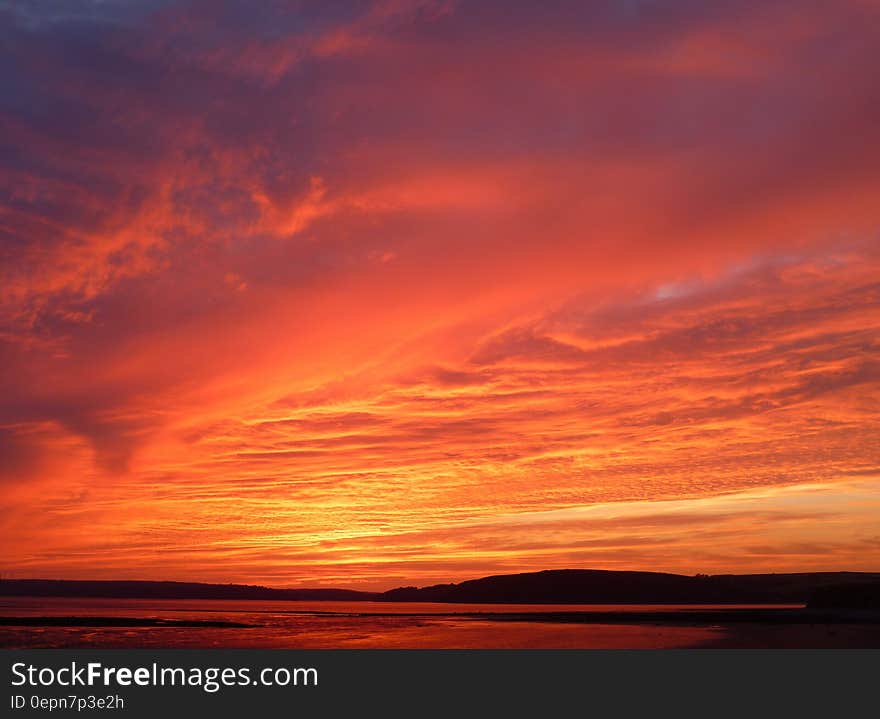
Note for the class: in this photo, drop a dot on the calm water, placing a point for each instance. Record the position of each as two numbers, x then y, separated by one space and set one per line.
322 625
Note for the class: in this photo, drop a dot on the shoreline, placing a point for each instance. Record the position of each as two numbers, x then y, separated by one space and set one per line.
685 617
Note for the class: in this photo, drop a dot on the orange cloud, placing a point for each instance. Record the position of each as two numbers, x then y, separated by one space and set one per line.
390 291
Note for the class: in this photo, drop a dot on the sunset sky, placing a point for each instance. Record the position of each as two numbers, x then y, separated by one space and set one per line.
396 292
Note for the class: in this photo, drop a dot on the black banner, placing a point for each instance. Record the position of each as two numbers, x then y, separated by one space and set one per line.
407 683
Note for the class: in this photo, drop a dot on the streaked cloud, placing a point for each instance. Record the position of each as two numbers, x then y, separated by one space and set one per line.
347 291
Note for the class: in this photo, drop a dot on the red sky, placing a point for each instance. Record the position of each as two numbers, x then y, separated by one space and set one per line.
371 293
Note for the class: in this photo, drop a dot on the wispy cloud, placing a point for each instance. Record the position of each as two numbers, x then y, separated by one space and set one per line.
360 284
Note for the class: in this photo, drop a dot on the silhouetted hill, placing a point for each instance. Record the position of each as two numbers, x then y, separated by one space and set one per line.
588 586
564 586
168 590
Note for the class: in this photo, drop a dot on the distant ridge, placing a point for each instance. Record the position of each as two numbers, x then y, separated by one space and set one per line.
168 590
593 586
562 586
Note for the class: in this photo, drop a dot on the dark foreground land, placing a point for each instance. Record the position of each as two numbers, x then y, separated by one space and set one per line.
781 628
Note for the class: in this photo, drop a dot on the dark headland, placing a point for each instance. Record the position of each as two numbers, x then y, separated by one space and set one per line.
128 589
566 586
